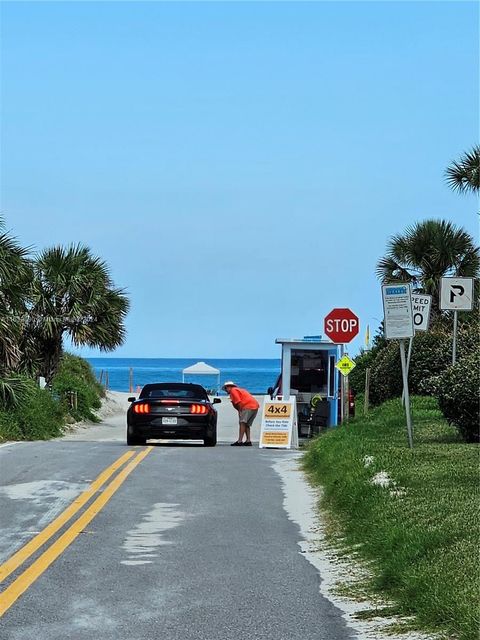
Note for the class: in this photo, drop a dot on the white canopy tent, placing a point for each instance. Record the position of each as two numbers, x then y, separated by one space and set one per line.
202 369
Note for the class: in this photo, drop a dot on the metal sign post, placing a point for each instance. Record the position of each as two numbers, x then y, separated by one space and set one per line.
454 345
398 322
456 294
345 365
342 326
342 390
409 355
406 394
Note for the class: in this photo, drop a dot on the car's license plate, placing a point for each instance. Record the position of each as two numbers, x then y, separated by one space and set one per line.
169 421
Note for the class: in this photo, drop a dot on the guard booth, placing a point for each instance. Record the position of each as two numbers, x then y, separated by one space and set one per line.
309 373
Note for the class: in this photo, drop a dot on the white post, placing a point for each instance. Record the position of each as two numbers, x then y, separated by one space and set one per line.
454 349
407 395
286 371
409 355
342 389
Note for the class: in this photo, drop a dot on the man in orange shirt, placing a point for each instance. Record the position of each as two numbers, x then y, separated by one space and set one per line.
247 408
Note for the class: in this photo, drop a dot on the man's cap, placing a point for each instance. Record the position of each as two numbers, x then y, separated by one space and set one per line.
229 383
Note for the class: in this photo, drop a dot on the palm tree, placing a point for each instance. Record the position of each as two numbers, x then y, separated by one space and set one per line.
72 294
14 275
14 272
464 175
426 252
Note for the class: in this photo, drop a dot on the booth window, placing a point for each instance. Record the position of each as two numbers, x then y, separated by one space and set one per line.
309 371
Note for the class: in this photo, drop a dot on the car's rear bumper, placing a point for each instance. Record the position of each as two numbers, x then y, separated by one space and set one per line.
154 430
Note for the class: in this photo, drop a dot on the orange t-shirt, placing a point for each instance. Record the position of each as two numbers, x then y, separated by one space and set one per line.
241 399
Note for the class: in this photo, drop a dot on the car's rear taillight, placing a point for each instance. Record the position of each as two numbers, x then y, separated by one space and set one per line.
141 408
199 409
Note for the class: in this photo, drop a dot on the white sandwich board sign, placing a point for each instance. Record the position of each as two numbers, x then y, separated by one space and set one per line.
456 294
279 421
421 305
397 307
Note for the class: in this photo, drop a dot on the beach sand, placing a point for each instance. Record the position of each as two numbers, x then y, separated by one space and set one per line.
113 421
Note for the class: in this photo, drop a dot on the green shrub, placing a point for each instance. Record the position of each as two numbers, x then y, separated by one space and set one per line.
357 378
38 416
431 356
386 375
458 395
75 374
9 427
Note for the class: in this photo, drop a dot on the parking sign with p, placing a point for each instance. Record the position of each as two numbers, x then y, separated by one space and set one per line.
456 294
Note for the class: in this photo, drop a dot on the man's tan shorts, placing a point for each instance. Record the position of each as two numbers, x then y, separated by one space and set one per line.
247 416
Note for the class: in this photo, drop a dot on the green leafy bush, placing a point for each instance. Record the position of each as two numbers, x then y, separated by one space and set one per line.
458 395
431 356
13 389
9 427
75 374
38 416
386 375
357 377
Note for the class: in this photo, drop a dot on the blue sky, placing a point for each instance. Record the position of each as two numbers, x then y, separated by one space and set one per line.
240 166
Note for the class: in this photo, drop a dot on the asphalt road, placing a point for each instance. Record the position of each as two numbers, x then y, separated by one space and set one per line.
194 543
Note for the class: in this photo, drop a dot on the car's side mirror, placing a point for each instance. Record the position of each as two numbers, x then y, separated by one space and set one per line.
216 400
270 391
132 399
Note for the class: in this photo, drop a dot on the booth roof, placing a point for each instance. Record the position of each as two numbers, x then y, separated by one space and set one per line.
201 368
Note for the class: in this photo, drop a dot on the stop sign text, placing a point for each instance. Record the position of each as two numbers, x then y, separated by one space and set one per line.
341 325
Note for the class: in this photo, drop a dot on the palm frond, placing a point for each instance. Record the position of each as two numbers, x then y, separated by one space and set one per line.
463 175
13 391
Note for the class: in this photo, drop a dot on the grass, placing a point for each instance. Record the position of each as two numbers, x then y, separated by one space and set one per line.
422 539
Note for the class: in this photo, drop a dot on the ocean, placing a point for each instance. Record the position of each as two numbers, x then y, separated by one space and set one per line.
256 375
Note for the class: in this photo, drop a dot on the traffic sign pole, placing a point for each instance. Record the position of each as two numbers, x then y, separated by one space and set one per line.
342 390
342 326
407 395
346 412
454 346
409 355
399 325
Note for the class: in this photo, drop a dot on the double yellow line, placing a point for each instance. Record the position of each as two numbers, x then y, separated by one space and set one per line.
41 564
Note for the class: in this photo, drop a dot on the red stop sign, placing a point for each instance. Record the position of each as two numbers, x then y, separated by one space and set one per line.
341 325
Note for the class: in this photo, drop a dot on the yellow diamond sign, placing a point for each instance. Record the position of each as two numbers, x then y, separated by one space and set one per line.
345 365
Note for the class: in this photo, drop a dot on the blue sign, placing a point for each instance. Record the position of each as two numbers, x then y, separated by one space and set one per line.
395 291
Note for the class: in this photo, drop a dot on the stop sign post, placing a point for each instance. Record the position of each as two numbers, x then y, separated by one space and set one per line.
341 325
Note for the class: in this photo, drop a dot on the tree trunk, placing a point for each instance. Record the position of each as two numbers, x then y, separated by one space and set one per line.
52 352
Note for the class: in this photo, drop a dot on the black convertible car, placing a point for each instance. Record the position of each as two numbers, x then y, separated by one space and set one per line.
172 410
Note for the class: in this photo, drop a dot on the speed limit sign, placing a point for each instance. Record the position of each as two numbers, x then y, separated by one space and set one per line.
421 305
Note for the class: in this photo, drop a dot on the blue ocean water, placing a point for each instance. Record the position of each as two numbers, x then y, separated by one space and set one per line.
255 375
